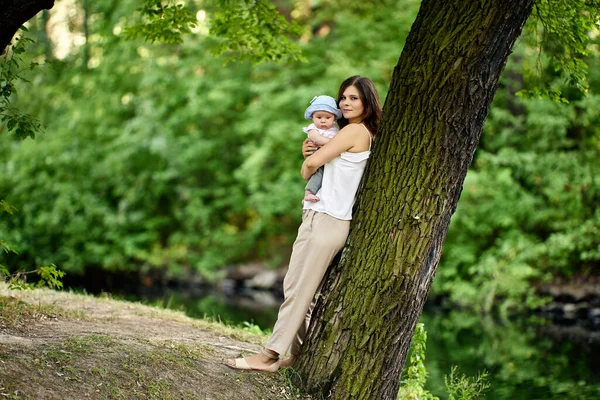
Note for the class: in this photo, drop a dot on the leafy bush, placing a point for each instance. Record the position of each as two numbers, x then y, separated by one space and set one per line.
459 387
159 156
528 211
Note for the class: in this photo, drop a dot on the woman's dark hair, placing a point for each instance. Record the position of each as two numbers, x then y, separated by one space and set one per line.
370 99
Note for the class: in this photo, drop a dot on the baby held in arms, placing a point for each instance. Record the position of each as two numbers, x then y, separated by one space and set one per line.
323 112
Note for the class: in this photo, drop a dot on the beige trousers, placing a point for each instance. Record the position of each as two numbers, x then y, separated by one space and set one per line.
320 238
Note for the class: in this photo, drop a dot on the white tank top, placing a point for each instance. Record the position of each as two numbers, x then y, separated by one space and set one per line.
341 178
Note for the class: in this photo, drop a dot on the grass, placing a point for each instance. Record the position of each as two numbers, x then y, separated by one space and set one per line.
131 367
289 374
15 313
85 344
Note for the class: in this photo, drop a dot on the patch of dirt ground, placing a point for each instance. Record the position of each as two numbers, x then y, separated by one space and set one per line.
59 345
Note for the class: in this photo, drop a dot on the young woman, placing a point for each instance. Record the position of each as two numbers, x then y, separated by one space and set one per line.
325 224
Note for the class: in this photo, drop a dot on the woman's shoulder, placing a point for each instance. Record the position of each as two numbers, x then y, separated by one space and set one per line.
355 130
357 136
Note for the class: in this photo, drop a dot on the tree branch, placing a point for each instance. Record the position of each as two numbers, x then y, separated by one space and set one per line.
15 13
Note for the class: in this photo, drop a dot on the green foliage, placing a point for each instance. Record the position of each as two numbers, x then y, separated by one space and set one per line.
252 328
254 30
461 387
290 376
109 197
13 70
23 124
6 208
48 276
5 247
564 30
162 22
251 30
415 374
160 157
528 211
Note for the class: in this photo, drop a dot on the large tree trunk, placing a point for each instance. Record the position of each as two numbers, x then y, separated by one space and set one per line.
439 97
14 13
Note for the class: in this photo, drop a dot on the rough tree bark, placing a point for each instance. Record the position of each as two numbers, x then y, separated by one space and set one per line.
439 97
15 13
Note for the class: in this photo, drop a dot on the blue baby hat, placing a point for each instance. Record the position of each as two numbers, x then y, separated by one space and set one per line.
323 103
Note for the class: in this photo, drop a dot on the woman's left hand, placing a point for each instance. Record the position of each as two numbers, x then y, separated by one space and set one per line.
308 147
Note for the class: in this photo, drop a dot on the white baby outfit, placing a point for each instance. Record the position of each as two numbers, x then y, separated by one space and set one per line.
328 133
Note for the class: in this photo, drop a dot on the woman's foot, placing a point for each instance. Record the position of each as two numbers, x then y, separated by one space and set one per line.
308 196
266 360
288 362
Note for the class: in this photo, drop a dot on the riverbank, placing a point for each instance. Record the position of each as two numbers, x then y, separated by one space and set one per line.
571 303
59 345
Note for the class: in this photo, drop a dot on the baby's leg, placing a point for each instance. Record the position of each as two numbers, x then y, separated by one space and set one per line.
313 186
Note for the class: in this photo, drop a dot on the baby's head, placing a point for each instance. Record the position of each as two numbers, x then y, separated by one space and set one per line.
323 111
323 119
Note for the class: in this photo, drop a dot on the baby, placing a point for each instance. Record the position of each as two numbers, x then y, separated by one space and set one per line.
323 112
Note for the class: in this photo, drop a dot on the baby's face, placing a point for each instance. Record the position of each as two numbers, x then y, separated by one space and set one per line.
323 119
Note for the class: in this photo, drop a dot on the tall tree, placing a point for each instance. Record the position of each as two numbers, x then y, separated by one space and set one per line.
439 97
15 13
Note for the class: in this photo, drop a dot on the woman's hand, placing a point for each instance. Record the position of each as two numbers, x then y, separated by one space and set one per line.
308 147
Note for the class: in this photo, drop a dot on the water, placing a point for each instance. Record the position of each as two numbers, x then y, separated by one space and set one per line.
525 360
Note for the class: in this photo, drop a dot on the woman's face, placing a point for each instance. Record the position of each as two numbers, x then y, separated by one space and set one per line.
351 105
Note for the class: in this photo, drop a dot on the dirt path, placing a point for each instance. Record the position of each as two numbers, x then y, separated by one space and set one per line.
56 345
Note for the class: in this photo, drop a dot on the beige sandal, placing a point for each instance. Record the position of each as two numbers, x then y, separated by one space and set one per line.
242 364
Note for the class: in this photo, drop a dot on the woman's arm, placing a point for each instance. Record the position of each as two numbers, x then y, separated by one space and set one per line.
349 137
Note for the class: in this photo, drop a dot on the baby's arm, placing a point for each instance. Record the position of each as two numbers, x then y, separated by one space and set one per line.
317 138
